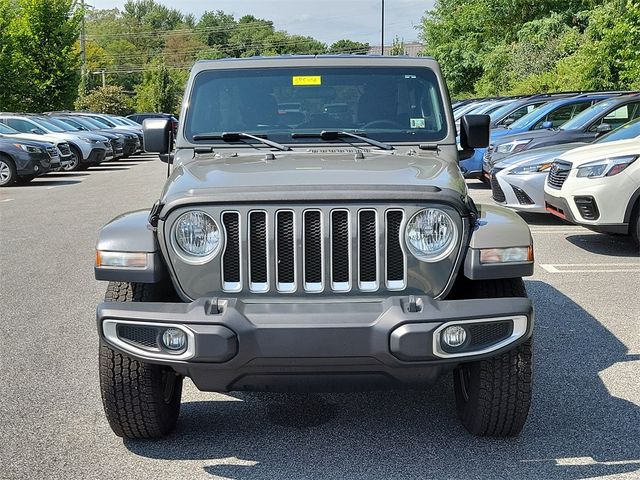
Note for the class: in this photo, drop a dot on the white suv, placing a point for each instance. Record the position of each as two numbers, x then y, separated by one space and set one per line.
598 186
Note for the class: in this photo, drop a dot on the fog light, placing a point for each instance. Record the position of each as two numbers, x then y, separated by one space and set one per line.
174 339
454 336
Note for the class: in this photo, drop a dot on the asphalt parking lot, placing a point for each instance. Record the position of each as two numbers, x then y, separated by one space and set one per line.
585 419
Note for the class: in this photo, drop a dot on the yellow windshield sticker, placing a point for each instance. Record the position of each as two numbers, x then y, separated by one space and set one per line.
307 80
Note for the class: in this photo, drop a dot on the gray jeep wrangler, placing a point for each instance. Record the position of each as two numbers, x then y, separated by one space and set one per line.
315 248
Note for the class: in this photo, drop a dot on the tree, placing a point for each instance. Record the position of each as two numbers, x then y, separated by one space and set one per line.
39 54
215 28
397 47
158 92
110 99
349 46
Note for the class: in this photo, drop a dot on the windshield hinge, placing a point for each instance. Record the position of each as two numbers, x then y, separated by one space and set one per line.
202 150
154 215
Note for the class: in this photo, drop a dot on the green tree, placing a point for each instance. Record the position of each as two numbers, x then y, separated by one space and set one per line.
215 28
110 99
43 62
158 92
349 46
397 47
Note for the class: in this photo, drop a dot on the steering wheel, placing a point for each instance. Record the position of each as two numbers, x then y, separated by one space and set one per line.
382 124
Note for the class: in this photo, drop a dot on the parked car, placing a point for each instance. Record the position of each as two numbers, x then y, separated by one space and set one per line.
117 139
315 258
85 149
57 161
141 117
518 181
106 141
598 187
593 122
134 138
548 116
23 160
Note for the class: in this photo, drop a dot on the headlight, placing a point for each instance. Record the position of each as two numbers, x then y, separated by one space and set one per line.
29 148
90 141
536 167
431 235
606 167
196 237
513 147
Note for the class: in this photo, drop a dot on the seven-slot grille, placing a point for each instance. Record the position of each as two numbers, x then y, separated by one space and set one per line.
558 174
313 250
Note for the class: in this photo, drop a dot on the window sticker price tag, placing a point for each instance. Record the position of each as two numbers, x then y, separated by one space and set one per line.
307 80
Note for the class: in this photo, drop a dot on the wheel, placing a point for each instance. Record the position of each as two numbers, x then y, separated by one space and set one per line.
635 224
493 396
141 400
8 173
76 156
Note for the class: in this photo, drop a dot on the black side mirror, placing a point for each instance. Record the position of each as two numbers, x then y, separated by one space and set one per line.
508 121
602 129
158 137
474 131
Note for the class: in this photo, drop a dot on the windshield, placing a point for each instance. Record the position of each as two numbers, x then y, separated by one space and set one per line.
533 116
4 130
48 125
385 104
626 132
63 125
100 122
584 118
117 121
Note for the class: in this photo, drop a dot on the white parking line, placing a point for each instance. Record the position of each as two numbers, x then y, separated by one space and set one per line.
589 267
7 200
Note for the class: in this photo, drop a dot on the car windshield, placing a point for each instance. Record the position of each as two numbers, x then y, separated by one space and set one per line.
101 122
625 132
117 121
48 125
67 127
385 104
532 117
584 118
4 130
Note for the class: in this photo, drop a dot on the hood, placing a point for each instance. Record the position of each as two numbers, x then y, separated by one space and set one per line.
538 154
91 136
47 139
534 135
213 173
22 138
601 151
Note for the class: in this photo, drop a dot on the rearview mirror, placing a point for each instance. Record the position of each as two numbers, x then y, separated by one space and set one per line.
158 136
474 131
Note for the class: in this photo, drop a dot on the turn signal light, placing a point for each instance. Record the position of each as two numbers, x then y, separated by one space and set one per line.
507 255
121 259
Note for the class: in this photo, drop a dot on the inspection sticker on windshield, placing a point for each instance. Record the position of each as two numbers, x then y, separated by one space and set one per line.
418 123
307 80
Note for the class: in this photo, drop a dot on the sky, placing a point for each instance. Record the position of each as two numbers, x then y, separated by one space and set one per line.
325 20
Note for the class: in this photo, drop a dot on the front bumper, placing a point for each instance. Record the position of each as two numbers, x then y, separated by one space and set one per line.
96 157
522 192
272 344
560 207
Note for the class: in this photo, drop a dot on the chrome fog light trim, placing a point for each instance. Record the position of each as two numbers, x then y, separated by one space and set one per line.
519 330
110 332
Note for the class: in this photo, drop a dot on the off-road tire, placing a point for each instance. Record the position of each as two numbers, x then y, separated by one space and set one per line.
141 400
493 396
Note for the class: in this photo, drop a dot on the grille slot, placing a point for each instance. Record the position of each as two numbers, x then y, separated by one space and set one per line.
558 174
396 260
496 190
340 251
258 252
144 337
231 262
313 254
285 252
368 250
587 207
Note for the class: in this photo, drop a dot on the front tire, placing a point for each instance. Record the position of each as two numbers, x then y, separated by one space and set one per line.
141 400
635 225
493 396
8 174
76 160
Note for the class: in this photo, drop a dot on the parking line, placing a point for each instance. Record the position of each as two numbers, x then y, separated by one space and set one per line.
588 267
7 200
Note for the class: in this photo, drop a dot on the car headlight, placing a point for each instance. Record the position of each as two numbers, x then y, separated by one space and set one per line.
29 148
606 167
513 147
527 168
431 234
196 237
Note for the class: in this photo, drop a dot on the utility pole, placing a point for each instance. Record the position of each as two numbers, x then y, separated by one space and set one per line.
382 30
104 79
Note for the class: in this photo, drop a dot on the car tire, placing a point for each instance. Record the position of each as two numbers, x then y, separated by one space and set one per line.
635 224
493 396
76 160
141 400
8 175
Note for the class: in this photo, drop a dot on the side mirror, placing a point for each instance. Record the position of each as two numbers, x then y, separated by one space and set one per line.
548 124
508 121
37 131
158 136
474 131
602 129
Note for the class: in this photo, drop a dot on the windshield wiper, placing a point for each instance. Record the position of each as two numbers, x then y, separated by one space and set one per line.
235 136
334 135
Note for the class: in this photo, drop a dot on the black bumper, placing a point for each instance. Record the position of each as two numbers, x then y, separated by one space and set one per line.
316 345
96 157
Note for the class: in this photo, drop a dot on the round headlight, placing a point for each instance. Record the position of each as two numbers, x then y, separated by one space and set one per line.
431 234
197 235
